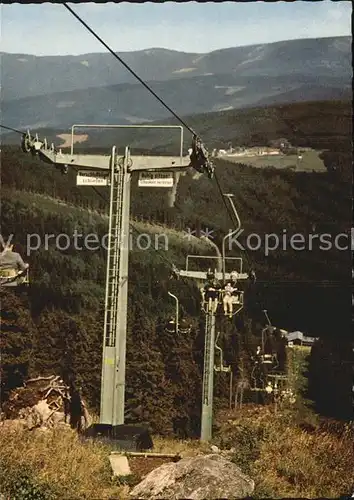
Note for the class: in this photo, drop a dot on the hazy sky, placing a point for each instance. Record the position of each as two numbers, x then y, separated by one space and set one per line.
50 29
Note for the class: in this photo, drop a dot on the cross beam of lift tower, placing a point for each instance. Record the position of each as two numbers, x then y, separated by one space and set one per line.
114 171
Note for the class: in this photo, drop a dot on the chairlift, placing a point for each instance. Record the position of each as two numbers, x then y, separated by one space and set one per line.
266 366
215 301
237 302
184 327
221 367
216 305
271 360
174 325
255 386
277 381
274 363
267 359
13 278
170 326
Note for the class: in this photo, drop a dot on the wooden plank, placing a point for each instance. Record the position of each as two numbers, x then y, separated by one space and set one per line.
146 455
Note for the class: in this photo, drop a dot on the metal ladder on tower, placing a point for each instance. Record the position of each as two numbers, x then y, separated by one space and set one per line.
115 237
114 246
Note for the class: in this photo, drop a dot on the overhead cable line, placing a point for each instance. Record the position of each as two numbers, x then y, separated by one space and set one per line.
128 68
118 58
159 99
12 129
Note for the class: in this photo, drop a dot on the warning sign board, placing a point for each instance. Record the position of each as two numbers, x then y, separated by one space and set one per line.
155 179
92 178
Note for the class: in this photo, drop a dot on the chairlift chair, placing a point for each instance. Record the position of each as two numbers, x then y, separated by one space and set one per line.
200 277
255 386
12 278
277 381
183 327
170 326
210 305
221 367
237 300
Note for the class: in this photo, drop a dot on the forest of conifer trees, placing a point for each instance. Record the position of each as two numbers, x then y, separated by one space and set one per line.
56 325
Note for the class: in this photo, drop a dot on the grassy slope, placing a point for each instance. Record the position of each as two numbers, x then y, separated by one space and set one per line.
288 453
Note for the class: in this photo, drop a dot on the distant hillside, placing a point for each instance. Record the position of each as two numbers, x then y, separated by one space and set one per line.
24 75
268 201
319 125
128 104
56 92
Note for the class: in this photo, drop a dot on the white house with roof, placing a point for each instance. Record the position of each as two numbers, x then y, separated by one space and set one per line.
299 338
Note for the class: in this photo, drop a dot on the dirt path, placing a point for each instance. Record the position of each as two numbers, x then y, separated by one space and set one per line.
141 466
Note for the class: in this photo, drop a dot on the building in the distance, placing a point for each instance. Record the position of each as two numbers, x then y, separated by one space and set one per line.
298 338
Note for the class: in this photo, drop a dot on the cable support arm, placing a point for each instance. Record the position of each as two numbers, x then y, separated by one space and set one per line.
199 158
138 163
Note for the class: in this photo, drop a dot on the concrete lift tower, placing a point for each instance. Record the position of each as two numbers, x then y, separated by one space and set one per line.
114 171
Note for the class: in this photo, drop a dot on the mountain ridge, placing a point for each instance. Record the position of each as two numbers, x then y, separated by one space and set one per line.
29 75
130 103
247 127
162 49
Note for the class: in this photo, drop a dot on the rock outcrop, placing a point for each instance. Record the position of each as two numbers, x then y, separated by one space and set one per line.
201 477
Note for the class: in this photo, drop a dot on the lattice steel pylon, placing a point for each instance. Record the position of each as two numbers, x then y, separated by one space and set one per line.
114 341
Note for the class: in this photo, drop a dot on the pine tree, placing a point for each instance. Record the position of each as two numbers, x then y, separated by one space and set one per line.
16 341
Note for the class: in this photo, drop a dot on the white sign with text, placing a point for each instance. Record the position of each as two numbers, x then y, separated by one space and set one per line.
92 178
155 179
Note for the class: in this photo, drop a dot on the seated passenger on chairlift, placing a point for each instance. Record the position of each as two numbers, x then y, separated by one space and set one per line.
211 292
11 264
231 294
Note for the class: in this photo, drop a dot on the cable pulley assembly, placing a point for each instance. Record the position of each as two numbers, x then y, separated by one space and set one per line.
200 157
26 143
